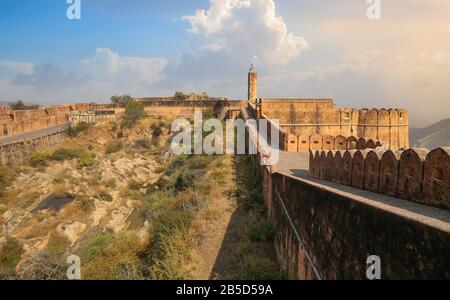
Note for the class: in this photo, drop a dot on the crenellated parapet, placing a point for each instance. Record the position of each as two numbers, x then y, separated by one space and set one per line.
14 122
305 143
308 117
416 175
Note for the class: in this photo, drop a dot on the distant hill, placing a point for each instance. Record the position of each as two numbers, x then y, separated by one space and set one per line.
431 137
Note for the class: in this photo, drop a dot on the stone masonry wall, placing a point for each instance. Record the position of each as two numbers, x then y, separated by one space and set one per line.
307 117
416 175
16 152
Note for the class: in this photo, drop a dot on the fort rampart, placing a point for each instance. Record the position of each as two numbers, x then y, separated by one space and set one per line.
307 117
326 230
416 175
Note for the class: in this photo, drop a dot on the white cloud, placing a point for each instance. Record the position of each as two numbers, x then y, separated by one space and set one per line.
94 79
245 29
109 67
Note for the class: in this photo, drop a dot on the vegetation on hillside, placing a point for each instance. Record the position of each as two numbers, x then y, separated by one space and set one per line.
20 105
121 100
41 160
6 178
166 221
134 112
74 131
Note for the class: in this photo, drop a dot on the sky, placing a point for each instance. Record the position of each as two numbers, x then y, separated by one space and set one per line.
302 49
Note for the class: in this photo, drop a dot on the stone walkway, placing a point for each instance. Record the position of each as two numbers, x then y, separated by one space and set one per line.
293 164
297 165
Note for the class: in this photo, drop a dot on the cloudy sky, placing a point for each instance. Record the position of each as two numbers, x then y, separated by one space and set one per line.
307 49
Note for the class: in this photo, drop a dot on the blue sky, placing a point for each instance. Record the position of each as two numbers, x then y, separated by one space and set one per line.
120 25
301 48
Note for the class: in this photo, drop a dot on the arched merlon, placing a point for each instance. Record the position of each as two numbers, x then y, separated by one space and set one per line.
308 117
415 175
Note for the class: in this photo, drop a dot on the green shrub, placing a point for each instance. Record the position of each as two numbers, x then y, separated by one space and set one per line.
133 113
121 100
134 185
63 154
104 196
261 232
107 257
200 162
170 246
208 114
184 180
96 247
6 178
10 254
111 183
57 244
80 127
40 159
86 159
179 96
156 131
114 147
145 144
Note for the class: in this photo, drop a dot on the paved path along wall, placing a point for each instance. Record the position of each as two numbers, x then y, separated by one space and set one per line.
15 149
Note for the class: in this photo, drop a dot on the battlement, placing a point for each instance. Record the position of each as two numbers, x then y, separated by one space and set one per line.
416 175
391 127
14 122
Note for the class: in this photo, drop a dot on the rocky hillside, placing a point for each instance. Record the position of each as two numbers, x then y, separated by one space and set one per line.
431 137
120 200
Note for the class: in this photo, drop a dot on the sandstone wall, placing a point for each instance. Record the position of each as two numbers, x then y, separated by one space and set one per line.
14 122
16 152
416 175
93 116
322 233
319 116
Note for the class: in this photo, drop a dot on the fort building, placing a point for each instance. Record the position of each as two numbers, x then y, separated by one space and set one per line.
346 185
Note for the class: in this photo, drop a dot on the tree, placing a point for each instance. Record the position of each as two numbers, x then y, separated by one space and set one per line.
121 100
19 105
179 96
133 113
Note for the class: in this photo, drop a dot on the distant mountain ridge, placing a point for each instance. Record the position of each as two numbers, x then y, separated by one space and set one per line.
431 137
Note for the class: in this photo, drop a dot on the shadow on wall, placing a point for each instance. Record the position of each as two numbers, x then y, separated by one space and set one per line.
305 143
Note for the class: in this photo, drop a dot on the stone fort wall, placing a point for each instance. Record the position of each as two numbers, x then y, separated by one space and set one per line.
327 231
416 175
307 117
20 121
